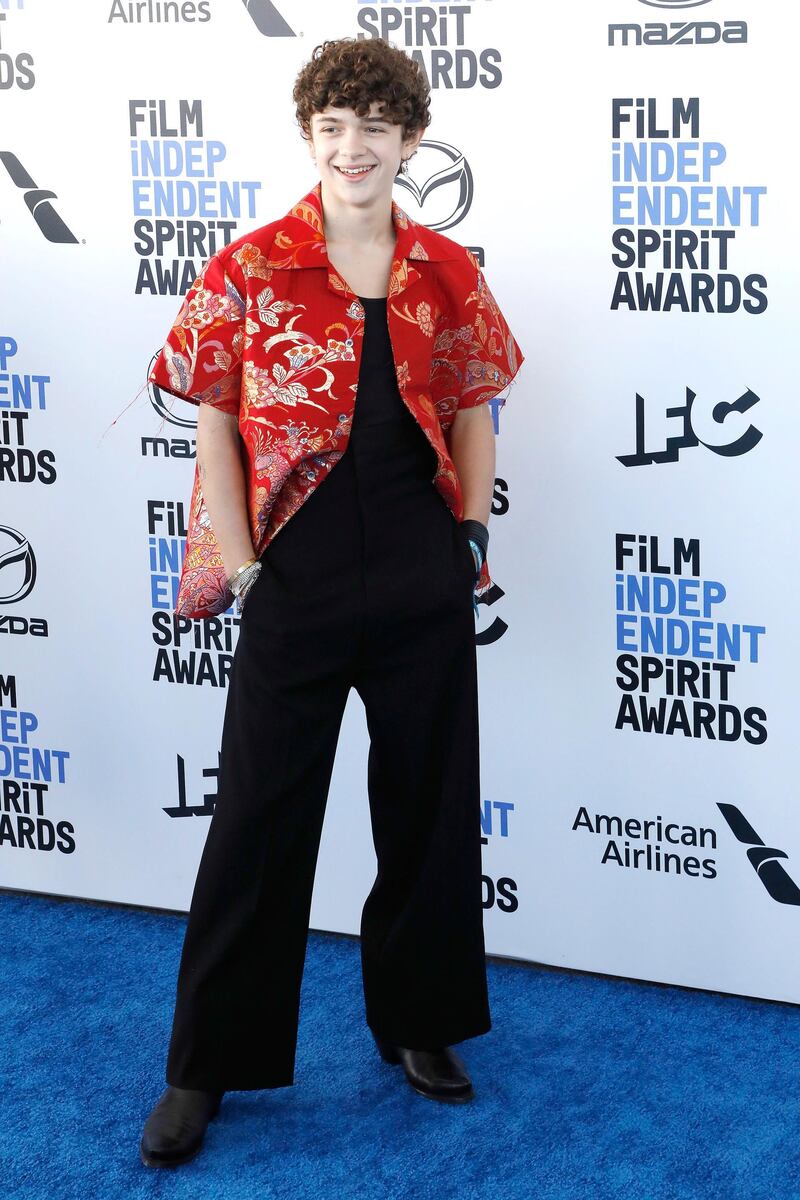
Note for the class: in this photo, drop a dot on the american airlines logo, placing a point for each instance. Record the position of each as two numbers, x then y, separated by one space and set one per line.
267 19
763 859
37 200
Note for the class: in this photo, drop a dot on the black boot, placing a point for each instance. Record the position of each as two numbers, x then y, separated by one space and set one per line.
174 1131
436 1074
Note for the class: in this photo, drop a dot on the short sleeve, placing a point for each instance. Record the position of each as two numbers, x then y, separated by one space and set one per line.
493 355
201 360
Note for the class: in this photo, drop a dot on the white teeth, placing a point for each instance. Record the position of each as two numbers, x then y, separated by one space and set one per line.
354 170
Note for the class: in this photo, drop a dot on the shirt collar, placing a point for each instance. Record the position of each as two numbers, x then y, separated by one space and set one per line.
300 242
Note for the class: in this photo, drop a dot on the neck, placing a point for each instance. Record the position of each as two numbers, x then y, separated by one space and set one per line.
366 227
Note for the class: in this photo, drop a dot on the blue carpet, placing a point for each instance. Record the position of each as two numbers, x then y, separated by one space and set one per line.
587 1088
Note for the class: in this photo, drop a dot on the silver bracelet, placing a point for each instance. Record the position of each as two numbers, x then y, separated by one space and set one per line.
241 585
240 571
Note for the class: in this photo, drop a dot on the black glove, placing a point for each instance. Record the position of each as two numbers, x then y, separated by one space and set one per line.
478 533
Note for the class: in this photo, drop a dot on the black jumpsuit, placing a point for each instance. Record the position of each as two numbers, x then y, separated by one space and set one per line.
368 585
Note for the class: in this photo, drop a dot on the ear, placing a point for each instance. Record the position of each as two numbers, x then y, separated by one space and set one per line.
307 138
411 143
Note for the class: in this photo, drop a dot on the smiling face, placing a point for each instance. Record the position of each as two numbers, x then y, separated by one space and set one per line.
358 156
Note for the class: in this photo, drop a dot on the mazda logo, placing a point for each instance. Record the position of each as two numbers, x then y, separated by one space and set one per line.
17 565
443 178
674 3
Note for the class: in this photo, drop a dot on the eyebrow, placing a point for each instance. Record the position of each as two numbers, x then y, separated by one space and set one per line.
371 120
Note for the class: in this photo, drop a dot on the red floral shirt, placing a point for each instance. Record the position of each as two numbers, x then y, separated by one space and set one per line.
271 333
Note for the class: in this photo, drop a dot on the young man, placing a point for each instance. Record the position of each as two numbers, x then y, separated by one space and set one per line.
342 358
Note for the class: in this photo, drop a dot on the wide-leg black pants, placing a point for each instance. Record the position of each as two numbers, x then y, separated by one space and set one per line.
368 585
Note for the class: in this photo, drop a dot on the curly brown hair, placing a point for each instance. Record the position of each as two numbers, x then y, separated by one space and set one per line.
352 73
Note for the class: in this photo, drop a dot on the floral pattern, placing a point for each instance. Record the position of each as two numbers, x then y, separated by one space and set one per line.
270 333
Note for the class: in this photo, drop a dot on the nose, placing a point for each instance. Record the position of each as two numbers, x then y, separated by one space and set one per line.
352 145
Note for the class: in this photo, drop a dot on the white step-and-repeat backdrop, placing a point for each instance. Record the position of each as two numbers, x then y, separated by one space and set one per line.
626 170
